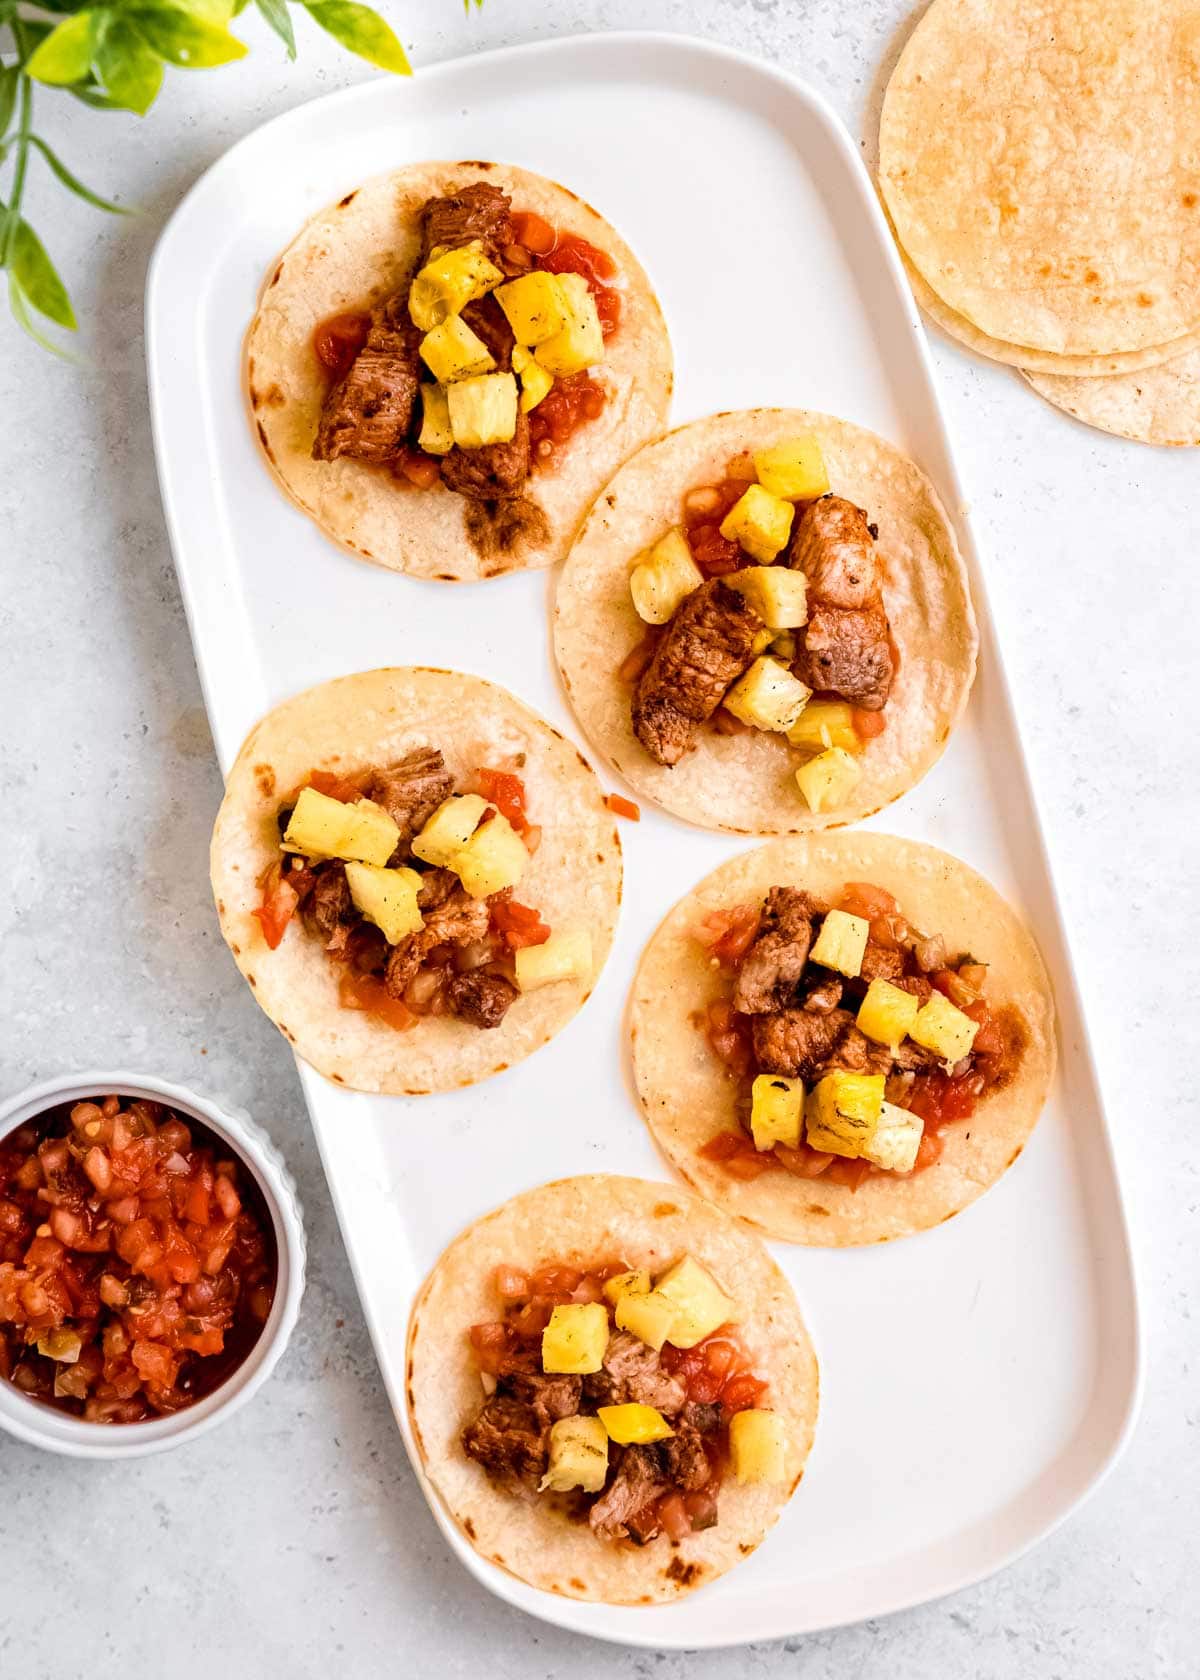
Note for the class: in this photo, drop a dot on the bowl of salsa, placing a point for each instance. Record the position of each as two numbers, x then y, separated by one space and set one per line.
151 1264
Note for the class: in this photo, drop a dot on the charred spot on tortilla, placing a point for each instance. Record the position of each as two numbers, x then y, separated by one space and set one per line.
468 1525
264 779
349 199
505 529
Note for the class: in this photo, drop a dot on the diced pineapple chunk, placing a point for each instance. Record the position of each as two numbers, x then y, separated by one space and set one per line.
535 307
768 696
778 595
823 724
827 780
580 343
633 1425
843 1111
452 351
759 522
626 1283
436 437
941 1027
703 1305
322 827
578 1456
794 468
895 1140
387 897
536 383
574 1341
841 943
566 955
448 282
483 410
776 1107
449 829
783 646
887 1012
651 1318
492 859
758 1446
663 578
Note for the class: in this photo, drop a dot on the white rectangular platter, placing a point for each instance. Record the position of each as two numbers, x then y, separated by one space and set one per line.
976 1380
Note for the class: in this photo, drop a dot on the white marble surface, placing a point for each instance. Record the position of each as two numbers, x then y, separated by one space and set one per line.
295 1540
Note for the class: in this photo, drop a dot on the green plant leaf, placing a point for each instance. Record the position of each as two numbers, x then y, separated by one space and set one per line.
9 79
363 31
37 277
19 306
65 55
277 15
184 40
131 71
74 184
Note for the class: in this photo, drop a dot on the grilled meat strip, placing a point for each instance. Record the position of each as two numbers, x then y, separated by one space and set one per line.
494 472
770 971
844 648
410 791
633 1372
707 646
479 211
510 1440
367 413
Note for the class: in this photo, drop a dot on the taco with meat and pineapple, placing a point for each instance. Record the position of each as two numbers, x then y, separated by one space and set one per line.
449 363
765 623
842 1038
418 877
611 1389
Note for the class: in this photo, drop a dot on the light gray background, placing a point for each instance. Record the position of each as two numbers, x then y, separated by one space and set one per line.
294 1541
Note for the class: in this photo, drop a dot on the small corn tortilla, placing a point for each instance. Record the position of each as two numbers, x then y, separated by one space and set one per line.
374 718
746 783
1159 405
582 1221
1040 167
353 255
687 1099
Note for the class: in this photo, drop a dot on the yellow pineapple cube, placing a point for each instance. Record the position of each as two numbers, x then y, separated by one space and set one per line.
452 351
794 468
321 827
437 436
535 306
768 696
574 1341
827 780
758 1446
448 282
895 1140
580 343
703 1305
778 595
776 1109
626 1283
449 829
783 646
759 522
483 410
492 859
841 943
578 1456
843 1111
536 383
663 578
387 897
887 1013
651 1318
823 724
566 955
941 1027
634 1425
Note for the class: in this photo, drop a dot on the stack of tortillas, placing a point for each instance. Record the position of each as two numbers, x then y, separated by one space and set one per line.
1040 161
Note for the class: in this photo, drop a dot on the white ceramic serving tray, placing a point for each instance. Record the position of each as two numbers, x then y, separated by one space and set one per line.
977 1380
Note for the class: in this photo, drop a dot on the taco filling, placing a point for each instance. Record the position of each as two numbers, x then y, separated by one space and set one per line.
408 883
766 612
484 363
622 1398
852 1039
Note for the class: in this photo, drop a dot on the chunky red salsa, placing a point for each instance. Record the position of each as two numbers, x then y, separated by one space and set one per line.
137 1260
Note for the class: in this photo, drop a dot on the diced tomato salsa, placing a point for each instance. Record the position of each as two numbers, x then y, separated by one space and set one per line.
717 1369
338 339
137 1260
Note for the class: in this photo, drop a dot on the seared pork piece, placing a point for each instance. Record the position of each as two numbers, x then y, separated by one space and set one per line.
479 211
481 999
881 963
488 322
459 920
832 546
329 900
551 1397
437 885
823 995
638 1480
509 1440
703 1415
707 646
770 970
910 1057
847 653
410 792
495 472
917 985
633 1372
367 414
854 1052
796 1042
684 1459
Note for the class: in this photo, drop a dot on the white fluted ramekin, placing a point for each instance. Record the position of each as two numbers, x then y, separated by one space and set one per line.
44 1426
